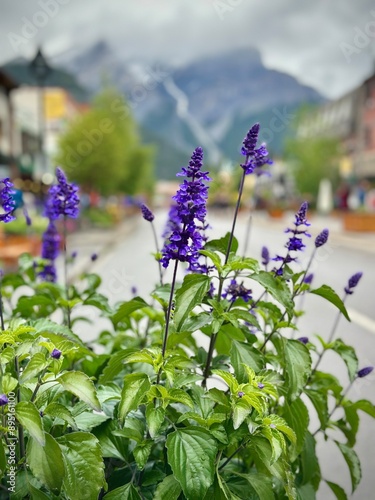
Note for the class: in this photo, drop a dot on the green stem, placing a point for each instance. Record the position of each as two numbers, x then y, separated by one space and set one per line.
240 190
169 310
66 272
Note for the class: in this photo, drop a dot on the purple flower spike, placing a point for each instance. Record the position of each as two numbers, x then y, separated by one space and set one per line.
186 239
6 200
365 371
56 354
3 400
240 394
255 157
134 290
353 282
146 213
265 256
63 198
260 385
74 254
322 238
27 217
51 242
304 340
94 257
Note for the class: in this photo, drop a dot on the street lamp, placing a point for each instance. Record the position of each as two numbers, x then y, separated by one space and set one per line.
40 69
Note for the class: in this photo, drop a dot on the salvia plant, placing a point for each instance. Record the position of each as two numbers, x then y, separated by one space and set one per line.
150 415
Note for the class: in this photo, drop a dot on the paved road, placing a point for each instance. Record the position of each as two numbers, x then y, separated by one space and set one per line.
128 263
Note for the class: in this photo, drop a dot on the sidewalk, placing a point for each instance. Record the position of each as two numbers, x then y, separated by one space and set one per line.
338 235
93 241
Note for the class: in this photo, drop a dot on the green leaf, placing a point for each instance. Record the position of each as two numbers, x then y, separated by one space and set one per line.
354 465
126 308
84 476
244 354
168 489
338 491
141 453
329 294
82 386
221 245
297 367
347 353
154 418
261 484
28 416
320 401
37 494
135 387
46 462
297 416
277 287
306 492
191 293
240 412
214 257
363 405
191 454
58 410
127 492
34 367
115 366
309 462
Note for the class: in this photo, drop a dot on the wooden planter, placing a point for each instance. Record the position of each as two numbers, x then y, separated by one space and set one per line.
12 246
361 222
276 213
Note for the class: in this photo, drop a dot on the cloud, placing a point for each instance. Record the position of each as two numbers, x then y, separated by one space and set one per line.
306 39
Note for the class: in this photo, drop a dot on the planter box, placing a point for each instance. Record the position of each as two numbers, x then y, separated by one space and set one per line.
12 246
361 222
276 213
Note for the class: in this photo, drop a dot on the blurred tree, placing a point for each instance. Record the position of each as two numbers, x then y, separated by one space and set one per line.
102 151
313 159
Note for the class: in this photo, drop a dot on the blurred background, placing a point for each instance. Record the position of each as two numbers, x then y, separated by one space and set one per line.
120 93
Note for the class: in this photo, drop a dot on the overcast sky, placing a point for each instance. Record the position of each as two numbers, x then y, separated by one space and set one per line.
327 44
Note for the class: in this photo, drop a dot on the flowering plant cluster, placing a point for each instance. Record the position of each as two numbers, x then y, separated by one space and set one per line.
144 412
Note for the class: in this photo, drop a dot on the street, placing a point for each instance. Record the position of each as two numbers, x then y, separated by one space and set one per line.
128 264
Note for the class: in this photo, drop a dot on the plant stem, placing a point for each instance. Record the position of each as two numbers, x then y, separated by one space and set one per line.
242 445
240 190
157 251
169 310
330 338
66 272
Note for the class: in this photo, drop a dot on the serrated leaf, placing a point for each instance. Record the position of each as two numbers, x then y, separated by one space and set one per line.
277 287
84 467
309 462
306 492
240 412
329 294
214 258
297 367
320 401
141 453
127 492
154 418
191 454
193 290
338 491
34 367
347 353
126 308
115 366
168 489
363 405
261 484
244 354
221 245
297 416
46 462
58 410
180 396
136 386
354 465
82 386
28 416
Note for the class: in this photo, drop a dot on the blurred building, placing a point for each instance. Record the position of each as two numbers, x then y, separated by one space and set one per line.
7 85
34 116
351 119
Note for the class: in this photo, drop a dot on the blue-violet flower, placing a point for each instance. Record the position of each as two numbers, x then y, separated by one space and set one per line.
62 198
6 200
146 213
352 283
255 157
